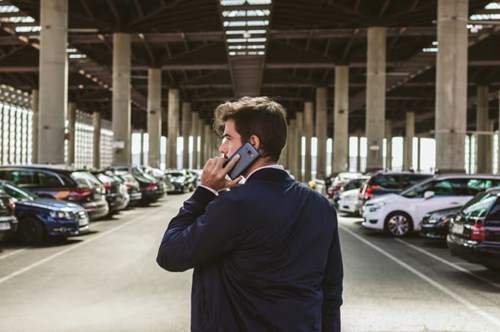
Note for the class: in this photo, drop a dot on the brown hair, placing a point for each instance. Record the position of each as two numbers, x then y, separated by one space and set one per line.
259 116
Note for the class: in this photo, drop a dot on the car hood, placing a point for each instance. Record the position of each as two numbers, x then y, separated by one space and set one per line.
50 204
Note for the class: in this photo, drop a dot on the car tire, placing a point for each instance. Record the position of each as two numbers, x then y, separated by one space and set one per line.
31 231
398 224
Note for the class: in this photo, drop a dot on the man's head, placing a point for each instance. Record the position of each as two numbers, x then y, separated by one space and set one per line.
259 120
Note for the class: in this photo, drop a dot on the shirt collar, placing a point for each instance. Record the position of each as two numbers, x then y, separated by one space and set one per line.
275 166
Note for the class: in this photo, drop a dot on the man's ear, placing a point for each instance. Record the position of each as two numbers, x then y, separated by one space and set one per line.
255 141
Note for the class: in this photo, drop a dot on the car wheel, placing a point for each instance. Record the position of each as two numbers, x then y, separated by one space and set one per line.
31 231
398 224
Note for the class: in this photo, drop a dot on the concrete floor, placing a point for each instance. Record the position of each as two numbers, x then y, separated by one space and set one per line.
109 281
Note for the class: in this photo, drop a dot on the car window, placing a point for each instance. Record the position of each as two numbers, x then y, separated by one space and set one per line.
389 181
479 205
418 190
446 187
51 180
475 186
19 177
18 193
85 177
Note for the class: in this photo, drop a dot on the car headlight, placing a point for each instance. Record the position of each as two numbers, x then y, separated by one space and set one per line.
378 205
61 215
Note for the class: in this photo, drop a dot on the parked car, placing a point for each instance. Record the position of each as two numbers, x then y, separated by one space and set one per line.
42 217
116 192
383 183
348 186
60 183
435 224
349 202
152 189
8 220
400 214
180 181
336 183
475 230
133 188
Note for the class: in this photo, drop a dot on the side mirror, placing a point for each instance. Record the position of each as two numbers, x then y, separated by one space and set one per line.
428 194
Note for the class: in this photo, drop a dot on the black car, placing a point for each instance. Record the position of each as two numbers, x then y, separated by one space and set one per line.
383 183
180 181
435 224
133 188
43 217
116 192
8 220
61 183
475 230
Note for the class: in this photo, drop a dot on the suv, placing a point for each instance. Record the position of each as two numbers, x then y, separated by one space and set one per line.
475 230
383 183
60 183
401 214
8 221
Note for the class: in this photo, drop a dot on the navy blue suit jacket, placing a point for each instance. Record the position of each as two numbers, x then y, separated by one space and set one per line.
266 256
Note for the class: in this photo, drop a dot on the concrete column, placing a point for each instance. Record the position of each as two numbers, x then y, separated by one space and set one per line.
96 119
173 127
388 140
194 131
341 120
293 148
498 136
419 154
308 130
186 126
300 125
71 132
53 82
206 143
141 159
451 84
483 126
408 142
203 143
35 124
154 117
321 126
375 96
471 158
358 158
121 124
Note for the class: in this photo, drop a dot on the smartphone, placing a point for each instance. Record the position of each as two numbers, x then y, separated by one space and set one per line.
248 155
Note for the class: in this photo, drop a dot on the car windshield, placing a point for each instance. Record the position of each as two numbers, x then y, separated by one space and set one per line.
18 193
479 205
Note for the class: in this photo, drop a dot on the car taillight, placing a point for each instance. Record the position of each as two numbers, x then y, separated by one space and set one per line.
478 231
12 204
79 193
152 186
369 191
128 185
107 186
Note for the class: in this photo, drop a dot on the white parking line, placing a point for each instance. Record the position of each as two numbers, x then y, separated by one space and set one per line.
453 265
12 253
76 246
437 285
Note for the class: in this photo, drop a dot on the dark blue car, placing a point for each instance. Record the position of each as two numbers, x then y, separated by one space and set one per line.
42 217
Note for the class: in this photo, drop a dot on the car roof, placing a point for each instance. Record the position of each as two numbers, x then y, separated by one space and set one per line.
465 176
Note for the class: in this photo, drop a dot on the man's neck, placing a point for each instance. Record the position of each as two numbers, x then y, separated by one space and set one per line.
258 164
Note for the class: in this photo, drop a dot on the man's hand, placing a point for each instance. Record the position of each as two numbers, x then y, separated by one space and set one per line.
214 174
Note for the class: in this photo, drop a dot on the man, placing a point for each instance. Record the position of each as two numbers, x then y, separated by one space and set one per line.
266 254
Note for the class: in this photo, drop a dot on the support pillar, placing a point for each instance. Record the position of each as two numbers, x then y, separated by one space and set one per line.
293 148
308 129
35 124
121 124
388 144
341 120
96 150
142 159
154 117
419 154
358 158
173 127
321 127
194 131
451 84
186 126
408 147
300 124
375 96
53 82
482 126
71 133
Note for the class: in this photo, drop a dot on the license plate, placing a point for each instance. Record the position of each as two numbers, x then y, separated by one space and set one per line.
457 228
4 226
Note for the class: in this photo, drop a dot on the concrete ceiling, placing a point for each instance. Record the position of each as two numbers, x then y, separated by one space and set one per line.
304 40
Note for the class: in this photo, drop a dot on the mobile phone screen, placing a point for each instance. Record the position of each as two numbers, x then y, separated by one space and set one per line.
248 155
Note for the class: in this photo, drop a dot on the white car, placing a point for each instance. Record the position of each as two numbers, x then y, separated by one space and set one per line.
399 214
349 201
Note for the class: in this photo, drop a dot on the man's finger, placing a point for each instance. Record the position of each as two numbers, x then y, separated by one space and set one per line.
231 164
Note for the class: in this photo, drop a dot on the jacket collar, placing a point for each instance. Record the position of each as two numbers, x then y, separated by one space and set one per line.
269 174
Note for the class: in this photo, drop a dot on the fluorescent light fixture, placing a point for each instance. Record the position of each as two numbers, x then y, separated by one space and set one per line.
236 40
235 32
236 47
493 5
257 40
485 17
17 19
71 50
8 9
229 24
435 43
430 49
232 53
259 2
33 28
258 23
77 56
232 2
